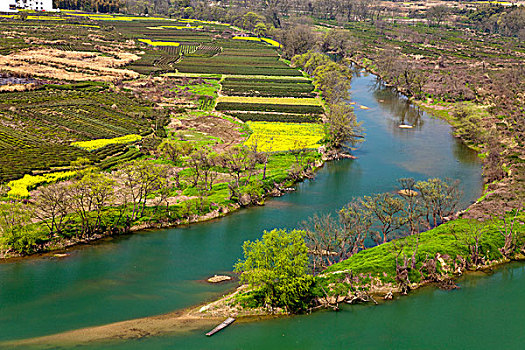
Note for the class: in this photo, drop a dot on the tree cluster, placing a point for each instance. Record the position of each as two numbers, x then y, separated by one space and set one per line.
81 206
109 6
276 268
341 126
380 218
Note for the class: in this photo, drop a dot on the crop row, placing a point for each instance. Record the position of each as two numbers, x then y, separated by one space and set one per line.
276 117
249 88
224 60
130 154
272 100
263 107
265 79
234 69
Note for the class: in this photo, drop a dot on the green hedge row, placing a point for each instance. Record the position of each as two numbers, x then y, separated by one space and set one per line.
263 107
272 117
247 88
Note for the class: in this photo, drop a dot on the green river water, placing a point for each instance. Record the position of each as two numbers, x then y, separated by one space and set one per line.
151 273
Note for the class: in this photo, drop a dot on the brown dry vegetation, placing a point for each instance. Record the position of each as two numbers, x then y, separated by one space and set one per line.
69 65
474 80
217 127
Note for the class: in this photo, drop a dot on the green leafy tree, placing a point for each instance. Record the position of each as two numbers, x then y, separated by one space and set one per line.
341 127
88 197
15 233
276 268
260 29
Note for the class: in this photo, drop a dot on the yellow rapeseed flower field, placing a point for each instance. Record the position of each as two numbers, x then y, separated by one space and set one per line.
279 137
46 18
20 188
254 38
271 100
99 143
159 43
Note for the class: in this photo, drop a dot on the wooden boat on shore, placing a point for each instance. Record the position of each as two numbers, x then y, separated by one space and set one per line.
220 327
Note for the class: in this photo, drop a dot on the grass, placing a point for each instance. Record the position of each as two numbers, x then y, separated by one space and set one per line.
278 137
380 260
208 87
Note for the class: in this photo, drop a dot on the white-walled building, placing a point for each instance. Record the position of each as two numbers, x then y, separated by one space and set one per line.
8 5
37 5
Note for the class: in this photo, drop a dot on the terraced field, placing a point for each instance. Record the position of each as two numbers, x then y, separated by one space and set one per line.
256 85
38 127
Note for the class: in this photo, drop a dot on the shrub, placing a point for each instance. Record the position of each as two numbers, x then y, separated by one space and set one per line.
276 268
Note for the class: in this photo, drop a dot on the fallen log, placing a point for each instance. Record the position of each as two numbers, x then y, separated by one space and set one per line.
220 327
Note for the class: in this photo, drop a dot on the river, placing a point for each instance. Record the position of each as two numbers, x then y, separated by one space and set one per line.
151 273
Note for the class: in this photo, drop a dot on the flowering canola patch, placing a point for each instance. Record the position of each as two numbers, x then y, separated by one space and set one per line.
254 38
279 137
46 18
99 143
159 43
20 188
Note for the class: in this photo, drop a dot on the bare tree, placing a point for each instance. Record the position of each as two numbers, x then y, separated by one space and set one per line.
141 180
387 212
511 235
437 14
89 196
238 161
440 199
412 209
332 240
471 238
52 204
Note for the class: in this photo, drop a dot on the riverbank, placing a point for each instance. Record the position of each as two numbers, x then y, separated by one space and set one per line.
438 256
194 319
61 245
478 95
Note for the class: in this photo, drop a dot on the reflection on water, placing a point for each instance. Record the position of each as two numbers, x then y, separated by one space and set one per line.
401 110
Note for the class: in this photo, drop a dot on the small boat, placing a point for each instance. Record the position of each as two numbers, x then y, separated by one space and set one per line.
405 126
220 327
